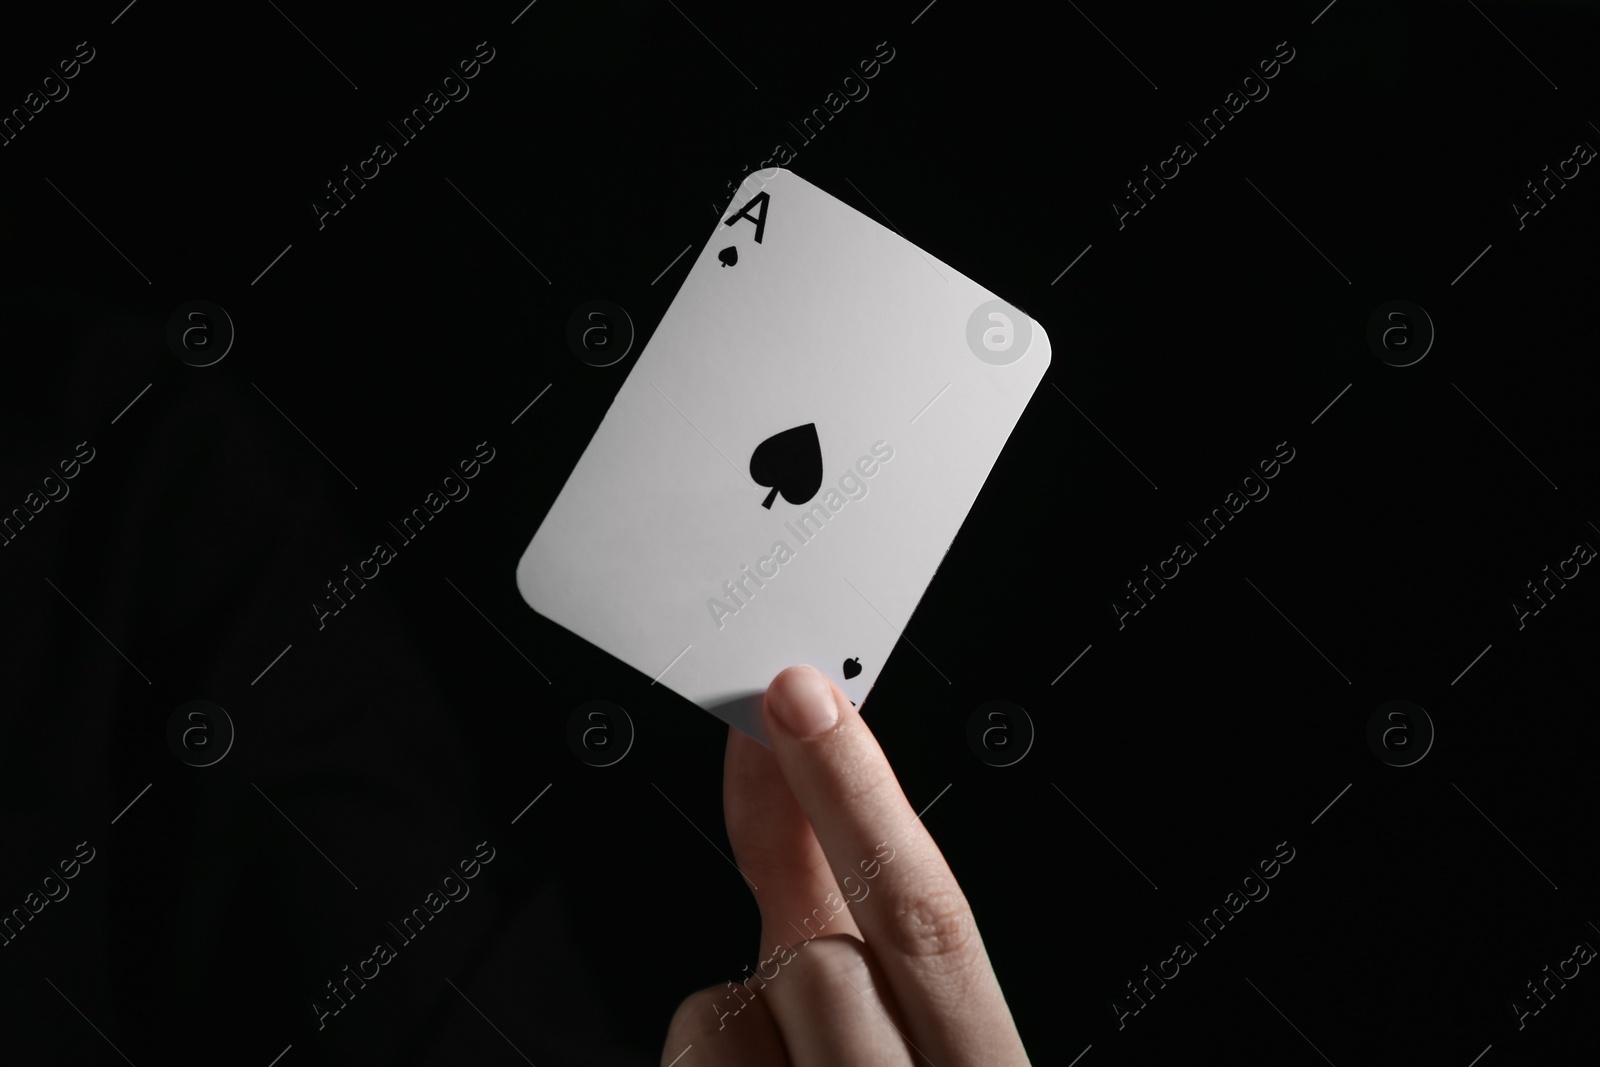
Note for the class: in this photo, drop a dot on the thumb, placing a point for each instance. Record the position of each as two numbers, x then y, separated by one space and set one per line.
914 917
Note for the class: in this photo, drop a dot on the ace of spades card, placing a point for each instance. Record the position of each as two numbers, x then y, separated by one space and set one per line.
781 473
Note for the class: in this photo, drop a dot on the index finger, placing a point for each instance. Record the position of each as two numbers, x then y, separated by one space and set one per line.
915 920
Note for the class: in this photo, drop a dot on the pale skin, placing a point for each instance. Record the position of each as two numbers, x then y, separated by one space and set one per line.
900 977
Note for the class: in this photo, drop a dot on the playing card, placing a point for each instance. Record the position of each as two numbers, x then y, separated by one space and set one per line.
785 466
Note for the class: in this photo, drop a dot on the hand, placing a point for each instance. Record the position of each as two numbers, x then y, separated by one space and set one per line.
889 972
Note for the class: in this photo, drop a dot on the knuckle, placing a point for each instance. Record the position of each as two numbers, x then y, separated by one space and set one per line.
696 1016
932 924
822 963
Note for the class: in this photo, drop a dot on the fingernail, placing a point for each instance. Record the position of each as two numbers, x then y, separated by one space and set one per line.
804 703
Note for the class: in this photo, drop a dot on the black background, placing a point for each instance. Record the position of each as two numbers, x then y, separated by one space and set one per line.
1219 721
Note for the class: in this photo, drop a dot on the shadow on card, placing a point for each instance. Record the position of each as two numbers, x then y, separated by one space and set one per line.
742 712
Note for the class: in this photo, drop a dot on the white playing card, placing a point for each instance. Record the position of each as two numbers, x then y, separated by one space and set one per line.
804 331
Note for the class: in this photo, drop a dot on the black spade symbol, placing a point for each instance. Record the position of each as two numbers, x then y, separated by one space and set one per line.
729 256
790 462
852 667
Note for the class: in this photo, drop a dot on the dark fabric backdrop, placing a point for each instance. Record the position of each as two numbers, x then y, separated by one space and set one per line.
1181 748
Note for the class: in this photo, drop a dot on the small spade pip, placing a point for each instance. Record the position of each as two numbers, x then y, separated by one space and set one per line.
729 256
852 667
791 463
